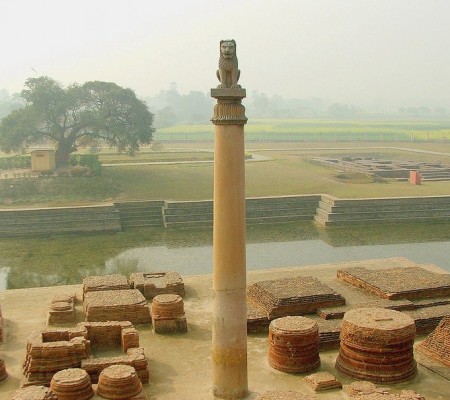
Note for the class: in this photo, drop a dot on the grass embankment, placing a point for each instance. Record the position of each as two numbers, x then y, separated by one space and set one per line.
288 172
152 156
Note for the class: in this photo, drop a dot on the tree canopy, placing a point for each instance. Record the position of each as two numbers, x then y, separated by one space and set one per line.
77 116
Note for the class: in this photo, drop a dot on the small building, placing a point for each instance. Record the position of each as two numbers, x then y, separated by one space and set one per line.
43 160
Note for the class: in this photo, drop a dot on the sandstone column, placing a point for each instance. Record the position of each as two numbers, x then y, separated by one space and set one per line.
229 329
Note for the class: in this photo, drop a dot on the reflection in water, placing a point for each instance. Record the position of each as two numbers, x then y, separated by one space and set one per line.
192 261
68 259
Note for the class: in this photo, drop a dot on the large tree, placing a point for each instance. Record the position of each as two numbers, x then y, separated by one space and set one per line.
76 116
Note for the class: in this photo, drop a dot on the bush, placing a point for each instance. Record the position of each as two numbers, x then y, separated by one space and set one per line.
77 170
80 170
15 162
86 160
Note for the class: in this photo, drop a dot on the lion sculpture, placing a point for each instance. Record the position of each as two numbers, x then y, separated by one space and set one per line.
228 72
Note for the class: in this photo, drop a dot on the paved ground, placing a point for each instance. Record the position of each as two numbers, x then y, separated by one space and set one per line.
179 365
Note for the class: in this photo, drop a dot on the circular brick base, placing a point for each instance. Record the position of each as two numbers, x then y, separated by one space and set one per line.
294 344
377 345
118 382
72 384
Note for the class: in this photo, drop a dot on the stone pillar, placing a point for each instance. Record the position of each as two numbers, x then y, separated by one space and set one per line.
229 322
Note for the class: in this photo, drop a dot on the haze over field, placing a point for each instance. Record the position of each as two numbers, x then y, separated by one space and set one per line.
370 53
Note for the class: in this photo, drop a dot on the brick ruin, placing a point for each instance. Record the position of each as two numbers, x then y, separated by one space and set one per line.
52 350
97 283
168 314
62 309
377 345
120 382
321 381
386 168
437 344
34 393
151 284
292 296
294 344
426 312
72 384
109 298
3 373
116 305
115 298
365 390
398 283
134 357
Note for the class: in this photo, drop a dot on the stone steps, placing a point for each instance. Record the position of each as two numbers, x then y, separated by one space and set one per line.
136 214
435 175
381 208
332 211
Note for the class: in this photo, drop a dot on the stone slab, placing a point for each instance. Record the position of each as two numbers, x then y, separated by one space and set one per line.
293 296
398 283
116 305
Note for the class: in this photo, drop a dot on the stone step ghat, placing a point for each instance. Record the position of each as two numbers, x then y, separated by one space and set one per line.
135 214
377 345
48 221
435 175
258 210
325 210
333 211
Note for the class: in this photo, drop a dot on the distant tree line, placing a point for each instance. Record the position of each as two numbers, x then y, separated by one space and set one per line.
9 103
172 108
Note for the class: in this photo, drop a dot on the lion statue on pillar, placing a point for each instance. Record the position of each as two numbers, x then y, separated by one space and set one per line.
228 72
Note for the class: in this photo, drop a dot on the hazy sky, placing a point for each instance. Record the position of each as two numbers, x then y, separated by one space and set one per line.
356 51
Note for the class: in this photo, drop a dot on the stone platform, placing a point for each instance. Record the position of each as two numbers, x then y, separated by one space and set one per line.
180 365
398 283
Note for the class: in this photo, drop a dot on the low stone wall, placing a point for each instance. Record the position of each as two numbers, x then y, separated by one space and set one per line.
59 220
259 210
324 209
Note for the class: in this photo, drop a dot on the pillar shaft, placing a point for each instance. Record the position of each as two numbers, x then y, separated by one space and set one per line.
229 322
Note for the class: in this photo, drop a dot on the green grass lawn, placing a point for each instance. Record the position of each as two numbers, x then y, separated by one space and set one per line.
152 156
288 172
